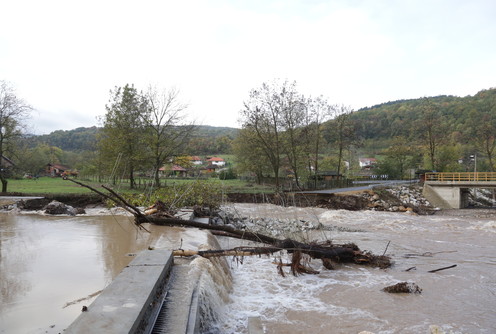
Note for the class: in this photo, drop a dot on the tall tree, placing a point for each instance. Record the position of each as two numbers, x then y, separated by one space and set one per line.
431 129
264 115
250 158
318 111
293 115
342 133
482 130
167 135
13 111
399 157
122 136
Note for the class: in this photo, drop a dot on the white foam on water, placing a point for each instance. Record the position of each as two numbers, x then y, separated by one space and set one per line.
350 300
259 291
489 226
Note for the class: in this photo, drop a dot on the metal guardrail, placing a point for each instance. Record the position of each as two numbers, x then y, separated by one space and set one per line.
462 176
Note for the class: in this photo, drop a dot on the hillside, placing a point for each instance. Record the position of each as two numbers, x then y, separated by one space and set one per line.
376 125
205 140
402 117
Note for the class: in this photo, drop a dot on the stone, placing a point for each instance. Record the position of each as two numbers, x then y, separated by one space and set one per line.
59 208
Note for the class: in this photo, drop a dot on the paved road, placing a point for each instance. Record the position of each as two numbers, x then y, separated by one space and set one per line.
369 185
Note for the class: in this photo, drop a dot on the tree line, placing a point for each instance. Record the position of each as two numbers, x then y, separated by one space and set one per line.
283 134
443 133
284 131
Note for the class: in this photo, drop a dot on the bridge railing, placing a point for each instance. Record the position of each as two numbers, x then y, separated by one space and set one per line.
462 176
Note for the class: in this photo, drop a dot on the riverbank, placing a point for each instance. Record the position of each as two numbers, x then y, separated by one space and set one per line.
401 198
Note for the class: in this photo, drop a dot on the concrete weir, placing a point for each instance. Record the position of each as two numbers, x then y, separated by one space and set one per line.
157 293
130 302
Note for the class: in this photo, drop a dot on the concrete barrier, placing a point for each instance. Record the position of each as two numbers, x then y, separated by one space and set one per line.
158 294
128 304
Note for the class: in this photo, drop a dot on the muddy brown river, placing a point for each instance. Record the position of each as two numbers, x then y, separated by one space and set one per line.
51 266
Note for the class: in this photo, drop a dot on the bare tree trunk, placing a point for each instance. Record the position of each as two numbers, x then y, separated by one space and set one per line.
4 184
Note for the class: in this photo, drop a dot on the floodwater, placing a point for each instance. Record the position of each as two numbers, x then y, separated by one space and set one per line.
51 266
349 299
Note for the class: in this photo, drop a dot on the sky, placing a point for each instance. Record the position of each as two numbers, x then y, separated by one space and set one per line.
64 57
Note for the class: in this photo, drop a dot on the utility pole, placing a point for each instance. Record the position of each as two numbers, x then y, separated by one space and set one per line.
473 158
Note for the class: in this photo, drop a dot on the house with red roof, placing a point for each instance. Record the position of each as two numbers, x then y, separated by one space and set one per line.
56 169
175 170
216 161
367 163
196 160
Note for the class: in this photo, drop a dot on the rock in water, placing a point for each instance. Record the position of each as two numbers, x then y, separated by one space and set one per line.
59 208
403 287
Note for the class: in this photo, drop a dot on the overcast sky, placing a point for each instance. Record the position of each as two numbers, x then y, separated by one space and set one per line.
63 57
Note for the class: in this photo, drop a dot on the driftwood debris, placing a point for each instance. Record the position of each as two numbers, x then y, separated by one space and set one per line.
443 268
327 252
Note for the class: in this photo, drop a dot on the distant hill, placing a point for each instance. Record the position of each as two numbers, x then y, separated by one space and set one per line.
395 118
84 139
376 124
80 139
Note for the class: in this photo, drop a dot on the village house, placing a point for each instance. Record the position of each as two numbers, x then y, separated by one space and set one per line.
367 163
55 169
216 161
329 176
196 160
211 168
174 170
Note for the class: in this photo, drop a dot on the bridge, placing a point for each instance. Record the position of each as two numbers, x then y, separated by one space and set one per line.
451 190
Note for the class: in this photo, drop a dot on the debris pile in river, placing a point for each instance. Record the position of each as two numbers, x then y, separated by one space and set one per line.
400 198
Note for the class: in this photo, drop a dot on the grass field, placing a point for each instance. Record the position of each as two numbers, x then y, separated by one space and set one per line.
56 185
46 185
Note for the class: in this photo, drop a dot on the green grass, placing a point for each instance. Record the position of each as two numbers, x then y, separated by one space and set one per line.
46 185
56 185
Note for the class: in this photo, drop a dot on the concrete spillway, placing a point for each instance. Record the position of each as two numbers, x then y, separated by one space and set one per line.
130 303
157 293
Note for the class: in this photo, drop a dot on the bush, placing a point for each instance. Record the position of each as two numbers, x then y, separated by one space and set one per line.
227 174
207 194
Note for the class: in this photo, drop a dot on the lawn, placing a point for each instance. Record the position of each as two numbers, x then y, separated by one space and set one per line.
46 185
56 185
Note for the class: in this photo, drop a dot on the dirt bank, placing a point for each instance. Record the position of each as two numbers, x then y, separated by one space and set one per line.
396 199
42 200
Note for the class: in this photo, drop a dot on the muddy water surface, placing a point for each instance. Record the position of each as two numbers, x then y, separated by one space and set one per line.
48 265
51 266
350 300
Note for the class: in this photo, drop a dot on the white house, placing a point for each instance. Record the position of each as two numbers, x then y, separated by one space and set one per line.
196 160
216 161
367 162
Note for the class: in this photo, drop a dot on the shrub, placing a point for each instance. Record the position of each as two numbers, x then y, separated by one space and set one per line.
203 193
227 174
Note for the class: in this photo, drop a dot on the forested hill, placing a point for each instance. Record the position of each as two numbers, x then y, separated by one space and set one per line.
458 117
404 117
80 139
205 139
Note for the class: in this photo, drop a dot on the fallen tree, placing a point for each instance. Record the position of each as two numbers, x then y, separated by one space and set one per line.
329 253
